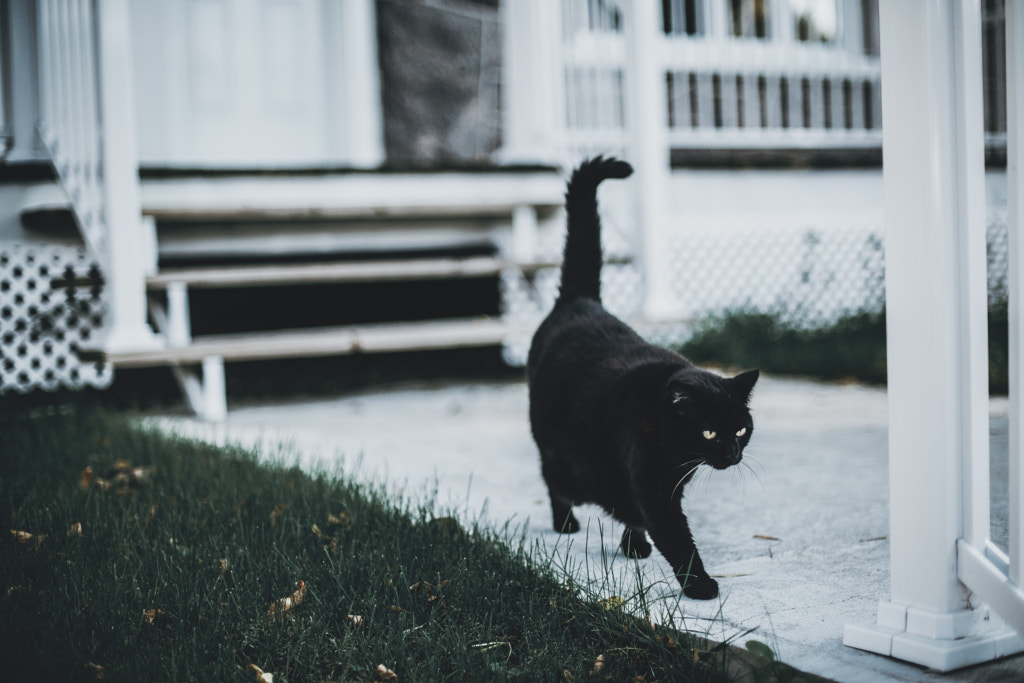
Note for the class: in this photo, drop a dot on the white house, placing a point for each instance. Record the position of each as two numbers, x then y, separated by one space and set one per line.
157 151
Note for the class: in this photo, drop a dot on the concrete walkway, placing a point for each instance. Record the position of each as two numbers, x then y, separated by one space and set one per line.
798 535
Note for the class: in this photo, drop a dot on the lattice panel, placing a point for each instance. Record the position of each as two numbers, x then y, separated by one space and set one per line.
41 324
809 277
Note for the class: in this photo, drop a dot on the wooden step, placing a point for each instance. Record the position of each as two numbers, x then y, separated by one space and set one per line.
266 275
326 341
350 196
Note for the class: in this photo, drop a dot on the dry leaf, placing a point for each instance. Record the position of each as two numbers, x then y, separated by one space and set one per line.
766 538
280 607
75 529
85 479
276 512
154 617
223 565
94 670
667 641
385 674
598 665
341 519
327 541
25 538
261 675
567 676
355 619
613 602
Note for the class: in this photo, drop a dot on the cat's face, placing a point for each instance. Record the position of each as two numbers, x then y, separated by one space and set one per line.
706 419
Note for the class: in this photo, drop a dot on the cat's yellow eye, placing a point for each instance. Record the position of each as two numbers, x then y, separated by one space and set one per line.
709 435
741 432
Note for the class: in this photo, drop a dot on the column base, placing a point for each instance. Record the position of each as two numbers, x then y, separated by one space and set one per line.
941 641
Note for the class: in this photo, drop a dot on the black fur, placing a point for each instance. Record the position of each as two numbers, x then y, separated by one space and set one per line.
620 422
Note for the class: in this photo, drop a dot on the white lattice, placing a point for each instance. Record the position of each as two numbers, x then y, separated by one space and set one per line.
50 303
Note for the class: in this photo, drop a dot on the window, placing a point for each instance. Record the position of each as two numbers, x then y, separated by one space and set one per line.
683 17
749 18
815 21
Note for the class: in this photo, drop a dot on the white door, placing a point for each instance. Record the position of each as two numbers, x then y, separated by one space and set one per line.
242 83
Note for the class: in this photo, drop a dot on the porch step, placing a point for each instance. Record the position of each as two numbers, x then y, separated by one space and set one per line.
327 341
356 195
267 275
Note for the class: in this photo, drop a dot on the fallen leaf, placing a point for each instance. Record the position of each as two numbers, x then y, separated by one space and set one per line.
276 512
766 538
261 675
25 538
567 676
614 602
385 674
75 529
342 519
94 670
154 617
223 565
85 479
327 541
280 607
598 665
355 619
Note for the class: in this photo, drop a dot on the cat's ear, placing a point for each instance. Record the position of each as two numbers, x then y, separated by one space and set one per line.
741 385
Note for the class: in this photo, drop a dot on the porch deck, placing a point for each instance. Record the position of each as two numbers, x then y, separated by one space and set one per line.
800 544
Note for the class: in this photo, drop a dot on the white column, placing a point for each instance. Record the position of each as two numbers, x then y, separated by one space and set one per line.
646 120
936 330
24 84
533 111
364 126
126 242
1015 219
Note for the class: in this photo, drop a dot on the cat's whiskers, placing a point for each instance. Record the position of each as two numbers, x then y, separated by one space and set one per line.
747 464
683 480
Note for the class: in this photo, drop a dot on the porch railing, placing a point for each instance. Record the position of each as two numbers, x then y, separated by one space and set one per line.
87 123
722 90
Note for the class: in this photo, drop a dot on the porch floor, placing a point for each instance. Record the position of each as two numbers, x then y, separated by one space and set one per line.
799 539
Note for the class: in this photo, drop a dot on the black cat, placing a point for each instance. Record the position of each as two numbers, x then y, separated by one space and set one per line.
620 422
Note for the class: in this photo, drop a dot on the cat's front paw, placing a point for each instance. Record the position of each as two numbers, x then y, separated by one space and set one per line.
634 544
700 587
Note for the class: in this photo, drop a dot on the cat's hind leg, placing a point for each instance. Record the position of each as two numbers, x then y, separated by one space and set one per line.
561 513
634 543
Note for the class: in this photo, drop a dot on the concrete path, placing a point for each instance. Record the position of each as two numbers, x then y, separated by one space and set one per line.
797 534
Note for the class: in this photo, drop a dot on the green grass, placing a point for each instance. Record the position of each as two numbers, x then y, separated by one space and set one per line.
852 348
208 539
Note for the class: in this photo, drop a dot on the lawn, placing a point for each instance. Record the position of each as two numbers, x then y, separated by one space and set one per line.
128 554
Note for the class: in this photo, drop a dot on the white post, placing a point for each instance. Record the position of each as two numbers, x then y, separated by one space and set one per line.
533 83
126 242
361 104
179 326
646 120
1015 221
215 406
936 329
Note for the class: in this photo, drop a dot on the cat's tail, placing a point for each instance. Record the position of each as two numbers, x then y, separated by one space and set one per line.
581 265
